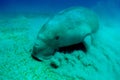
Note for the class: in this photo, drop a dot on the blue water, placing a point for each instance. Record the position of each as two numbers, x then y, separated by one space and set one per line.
45 6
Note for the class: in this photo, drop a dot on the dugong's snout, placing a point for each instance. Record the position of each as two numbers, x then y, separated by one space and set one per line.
35 54
42 52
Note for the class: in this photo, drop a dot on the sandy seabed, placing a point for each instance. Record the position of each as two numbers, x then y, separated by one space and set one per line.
17 36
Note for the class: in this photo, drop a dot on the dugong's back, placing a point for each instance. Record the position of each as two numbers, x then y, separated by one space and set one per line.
75 16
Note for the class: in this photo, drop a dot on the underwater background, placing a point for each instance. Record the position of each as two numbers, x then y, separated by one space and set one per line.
20 22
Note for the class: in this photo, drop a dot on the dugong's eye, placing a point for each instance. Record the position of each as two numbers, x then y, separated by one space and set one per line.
57 37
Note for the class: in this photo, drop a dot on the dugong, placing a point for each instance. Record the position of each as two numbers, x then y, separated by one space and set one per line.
66 28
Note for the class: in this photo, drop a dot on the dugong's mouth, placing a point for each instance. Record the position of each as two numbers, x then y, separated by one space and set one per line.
65 49
34 57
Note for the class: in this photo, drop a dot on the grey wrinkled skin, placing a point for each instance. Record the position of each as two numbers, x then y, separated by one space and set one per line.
66 28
